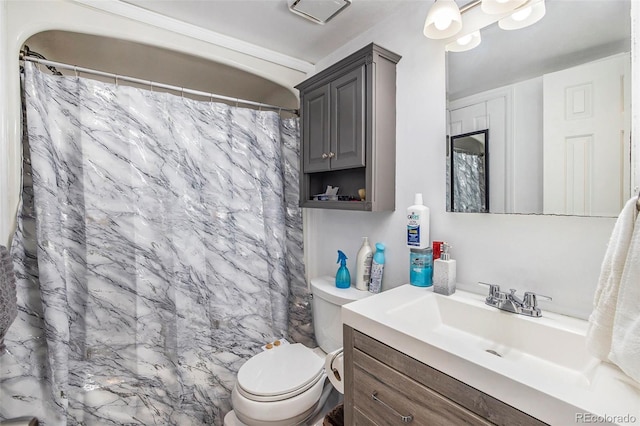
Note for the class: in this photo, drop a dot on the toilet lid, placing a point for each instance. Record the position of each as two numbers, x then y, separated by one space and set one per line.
280 370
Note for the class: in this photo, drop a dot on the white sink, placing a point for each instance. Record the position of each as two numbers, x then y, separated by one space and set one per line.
481 330
539 365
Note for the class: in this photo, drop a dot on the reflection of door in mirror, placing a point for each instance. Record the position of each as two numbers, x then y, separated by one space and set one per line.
469 189
585 118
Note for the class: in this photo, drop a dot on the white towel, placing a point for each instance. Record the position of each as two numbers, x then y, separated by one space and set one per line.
8 302
600 332
625 345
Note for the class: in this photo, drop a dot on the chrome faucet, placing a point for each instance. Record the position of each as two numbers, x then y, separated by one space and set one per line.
512 303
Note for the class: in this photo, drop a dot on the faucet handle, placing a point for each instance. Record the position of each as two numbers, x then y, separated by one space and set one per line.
530 304
531 299
494 289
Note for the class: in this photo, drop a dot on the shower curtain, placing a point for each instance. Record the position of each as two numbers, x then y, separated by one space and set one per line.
159 247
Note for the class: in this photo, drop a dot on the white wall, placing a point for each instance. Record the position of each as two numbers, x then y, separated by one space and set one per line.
553 255
21 19
527 151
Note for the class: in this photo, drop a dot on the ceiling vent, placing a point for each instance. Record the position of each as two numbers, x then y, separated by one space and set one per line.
318 11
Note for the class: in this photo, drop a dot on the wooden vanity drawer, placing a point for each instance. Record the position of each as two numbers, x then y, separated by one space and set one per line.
398 395
360 419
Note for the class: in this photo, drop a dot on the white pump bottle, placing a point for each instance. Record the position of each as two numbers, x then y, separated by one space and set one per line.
363 265
418 224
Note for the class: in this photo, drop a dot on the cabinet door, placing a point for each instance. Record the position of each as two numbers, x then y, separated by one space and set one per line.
348 120
315 138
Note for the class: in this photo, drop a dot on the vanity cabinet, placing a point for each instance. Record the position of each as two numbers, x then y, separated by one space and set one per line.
348 114
386 387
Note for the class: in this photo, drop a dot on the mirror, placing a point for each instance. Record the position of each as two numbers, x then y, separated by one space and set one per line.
555 97
469 172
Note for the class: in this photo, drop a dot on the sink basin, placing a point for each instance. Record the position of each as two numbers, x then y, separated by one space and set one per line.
538 365
546 345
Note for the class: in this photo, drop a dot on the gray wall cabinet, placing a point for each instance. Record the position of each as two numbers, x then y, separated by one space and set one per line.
348 116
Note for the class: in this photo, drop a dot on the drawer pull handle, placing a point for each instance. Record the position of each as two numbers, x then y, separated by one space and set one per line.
404 419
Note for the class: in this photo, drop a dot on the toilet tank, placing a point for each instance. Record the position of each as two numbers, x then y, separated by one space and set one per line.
326 304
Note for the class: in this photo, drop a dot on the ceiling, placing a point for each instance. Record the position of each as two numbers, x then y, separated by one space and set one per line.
266 24
270 24
569 26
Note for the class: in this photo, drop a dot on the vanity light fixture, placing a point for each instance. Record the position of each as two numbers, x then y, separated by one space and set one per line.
498 7
443 20
464 43
527 15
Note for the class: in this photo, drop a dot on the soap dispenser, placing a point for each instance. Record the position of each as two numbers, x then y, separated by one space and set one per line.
343 278
444 273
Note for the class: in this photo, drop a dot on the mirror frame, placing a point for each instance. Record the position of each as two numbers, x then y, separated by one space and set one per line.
452 174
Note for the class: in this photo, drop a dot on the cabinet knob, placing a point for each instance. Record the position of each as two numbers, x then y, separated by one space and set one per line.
331 154
324 156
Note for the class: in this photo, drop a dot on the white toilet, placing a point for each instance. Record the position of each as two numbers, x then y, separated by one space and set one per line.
287 385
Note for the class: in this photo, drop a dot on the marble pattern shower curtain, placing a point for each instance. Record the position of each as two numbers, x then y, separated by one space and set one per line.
469 187
167 249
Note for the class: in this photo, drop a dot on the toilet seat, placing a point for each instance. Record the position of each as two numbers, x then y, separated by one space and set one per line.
280 397
280 373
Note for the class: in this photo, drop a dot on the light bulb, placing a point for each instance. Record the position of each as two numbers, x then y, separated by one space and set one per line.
464 43
522 14
442 23
524 17
443 20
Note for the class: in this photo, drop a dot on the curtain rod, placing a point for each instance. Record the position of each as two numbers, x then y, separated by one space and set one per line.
152 84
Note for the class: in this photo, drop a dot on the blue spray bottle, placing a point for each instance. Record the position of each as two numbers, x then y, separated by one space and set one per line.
343 278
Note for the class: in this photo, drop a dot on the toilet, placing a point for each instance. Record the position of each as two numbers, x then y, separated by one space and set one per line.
288 385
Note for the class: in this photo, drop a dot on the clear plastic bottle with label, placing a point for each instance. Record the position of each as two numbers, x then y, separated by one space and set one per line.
377 268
